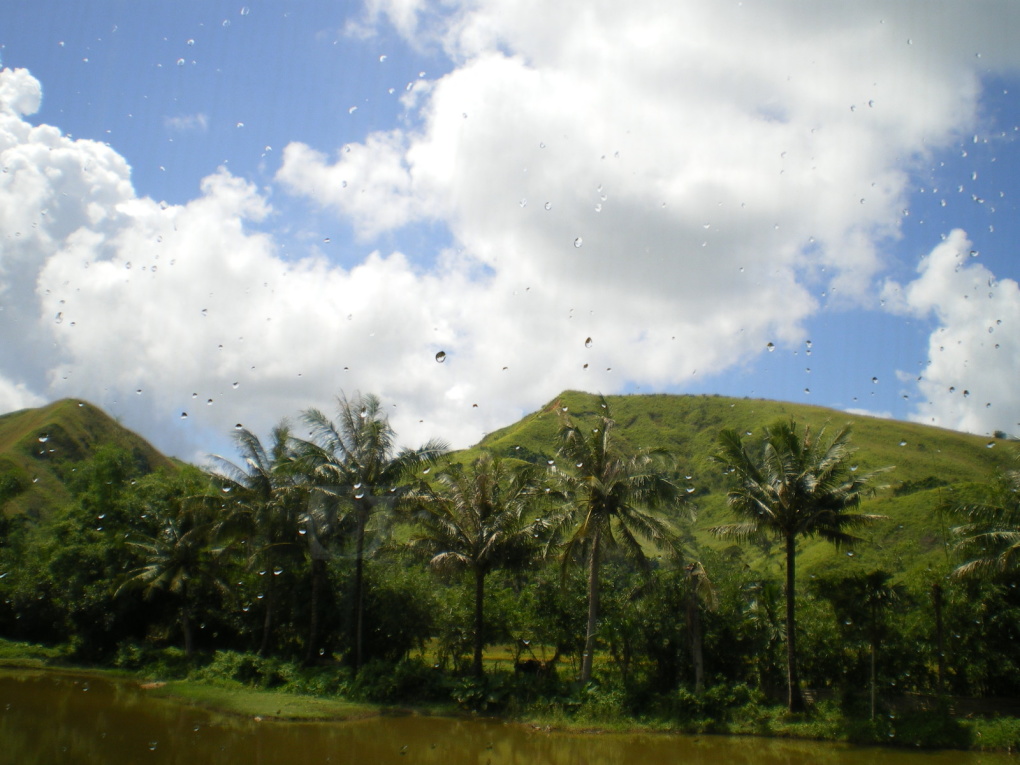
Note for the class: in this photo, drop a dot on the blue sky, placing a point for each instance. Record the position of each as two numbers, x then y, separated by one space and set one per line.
322 196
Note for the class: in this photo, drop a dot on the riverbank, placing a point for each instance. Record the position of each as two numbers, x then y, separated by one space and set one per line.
246 686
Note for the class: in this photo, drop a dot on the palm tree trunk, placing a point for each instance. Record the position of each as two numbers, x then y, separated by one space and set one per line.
189 643
794 699
479 619
317 573
267 623
359 574
593 610
694 635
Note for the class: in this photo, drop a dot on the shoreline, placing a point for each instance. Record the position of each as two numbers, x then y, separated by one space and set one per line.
237 700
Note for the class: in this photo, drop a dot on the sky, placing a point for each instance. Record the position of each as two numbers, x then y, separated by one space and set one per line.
216 215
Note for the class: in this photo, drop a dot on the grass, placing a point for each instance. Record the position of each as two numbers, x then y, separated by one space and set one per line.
266 704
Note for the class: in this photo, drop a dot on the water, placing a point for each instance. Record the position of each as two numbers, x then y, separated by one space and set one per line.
48 718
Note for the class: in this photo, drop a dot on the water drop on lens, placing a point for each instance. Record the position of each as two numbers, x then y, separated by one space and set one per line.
770 347
441 357
578 242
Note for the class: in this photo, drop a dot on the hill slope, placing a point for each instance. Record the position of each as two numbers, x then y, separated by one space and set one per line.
37 447
930 464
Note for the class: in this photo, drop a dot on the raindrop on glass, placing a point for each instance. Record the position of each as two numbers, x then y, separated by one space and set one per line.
578 242
441 357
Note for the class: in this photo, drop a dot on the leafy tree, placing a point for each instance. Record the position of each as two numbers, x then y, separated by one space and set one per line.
178 556
476 519
355 459
788 486
860 603
610 495
263 500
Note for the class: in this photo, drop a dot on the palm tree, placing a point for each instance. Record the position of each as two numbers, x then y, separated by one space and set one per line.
700 594
266 497
475 519
610 494
991 535
355 458
789 486
178 553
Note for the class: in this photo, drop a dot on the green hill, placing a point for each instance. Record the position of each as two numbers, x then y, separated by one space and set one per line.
39 446
930 464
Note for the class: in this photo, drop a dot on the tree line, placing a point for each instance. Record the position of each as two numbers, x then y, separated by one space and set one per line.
340 549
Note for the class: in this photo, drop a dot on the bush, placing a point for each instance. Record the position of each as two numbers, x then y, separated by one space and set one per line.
154 663
408 680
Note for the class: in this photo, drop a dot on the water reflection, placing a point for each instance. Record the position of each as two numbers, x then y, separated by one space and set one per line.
50 718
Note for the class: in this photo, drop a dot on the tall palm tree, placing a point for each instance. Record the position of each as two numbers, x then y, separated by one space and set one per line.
788 486
355 458
990 537
265 498
476 519
609 495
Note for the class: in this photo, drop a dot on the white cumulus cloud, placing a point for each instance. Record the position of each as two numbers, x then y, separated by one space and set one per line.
969 382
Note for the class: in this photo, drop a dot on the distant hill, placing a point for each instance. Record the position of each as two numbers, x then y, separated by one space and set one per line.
931 464
37 447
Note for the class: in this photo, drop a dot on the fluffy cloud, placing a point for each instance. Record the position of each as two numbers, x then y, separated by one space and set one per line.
974 350
635 193
681 182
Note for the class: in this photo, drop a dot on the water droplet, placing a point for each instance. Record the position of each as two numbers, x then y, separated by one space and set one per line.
578 242
184 415
903 443
277 571
359 495
191 42
990 445
523 203
853 468
180 62
245 10
153 745
382 58
226 489
441 357
426 471
770 347
690 489
239 426
44 438
352 110
874 380
587 342
548 205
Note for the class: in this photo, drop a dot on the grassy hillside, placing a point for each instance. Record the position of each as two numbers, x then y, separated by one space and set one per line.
38 446
930 464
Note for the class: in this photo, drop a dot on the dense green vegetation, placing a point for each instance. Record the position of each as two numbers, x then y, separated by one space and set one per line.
343 566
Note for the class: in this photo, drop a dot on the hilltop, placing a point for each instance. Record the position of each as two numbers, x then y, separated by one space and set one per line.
929 464
39 446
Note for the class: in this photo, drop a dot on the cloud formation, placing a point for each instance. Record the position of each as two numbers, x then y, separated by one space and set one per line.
973 362
636 193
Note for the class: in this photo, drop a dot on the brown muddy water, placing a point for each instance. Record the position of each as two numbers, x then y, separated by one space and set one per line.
48 718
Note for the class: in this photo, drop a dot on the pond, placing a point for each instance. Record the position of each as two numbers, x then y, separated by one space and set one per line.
48 718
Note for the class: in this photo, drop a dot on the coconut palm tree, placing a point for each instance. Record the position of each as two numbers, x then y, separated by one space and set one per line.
790 485
610 494
990 538
355 459
476 519
264 498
